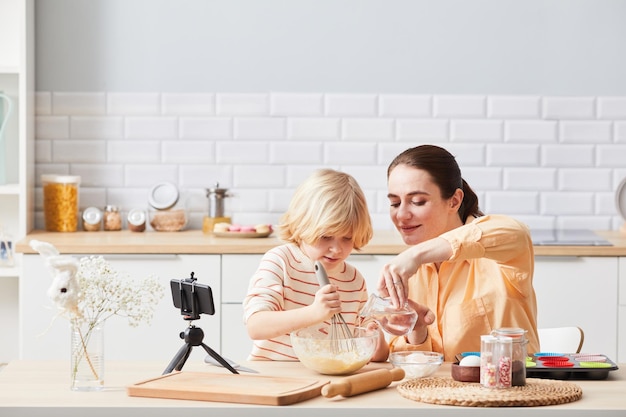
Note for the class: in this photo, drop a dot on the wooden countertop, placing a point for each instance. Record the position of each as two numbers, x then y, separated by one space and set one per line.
41 388
196 242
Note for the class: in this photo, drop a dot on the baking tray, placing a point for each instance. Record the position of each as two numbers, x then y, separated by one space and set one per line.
554 365
569 366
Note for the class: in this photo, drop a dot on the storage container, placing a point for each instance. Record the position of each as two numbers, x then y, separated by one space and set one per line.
60 202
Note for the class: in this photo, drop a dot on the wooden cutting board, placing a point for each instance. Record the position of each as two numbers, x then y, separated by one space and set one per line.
232 388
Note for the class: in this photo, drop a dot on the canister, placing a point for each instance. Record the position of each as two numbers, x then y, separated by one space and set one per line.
495 361
168 212
217 212
136 220
112 218
92 219
60 202
519 343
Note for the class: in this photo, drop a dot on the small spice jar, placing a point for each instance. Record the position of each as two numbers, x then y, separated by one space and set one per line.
92 219
136 220
112 218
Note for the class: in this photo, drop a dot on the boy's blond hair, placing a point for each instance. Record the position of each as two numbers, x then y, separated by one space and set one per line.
328 203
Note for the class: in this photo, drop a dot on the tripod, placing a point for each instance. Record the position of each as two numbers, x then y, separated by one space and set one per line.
193 299
193 337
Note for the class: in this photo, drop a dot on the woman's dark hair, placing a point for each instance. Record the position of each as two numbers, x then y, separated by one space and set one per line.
445 172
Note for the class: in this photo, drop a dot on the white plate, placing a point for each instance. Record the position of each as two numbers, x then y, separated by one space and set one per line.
620 198
241 234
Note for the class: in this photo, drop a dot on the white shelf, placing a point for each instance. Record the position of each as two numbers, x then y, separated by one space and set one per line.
9 189
9 69
9 272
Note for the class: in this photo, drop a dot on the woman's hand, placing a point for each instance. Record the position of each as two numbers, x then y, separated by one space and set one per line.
395 276
425 317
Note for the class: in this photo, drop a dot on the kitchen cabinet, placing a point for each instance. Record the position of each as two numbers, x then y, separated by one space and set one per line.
580 291
47 337
16 151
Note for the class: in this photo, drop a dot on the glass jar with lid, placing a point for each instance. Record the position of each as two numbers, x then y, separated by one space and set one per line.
136 220
519 342
92 219
60 202
112 218
168 213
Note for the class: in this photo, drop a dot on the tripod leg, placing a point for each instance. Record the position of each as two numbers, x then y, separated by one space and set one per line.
179 359
218 358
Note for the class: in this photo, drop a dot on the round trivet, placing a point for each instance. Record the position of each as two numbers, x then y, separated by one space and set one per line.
437 390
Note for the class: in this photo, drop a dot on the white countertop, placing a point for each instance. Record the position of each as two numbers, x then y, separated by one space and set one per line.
41 388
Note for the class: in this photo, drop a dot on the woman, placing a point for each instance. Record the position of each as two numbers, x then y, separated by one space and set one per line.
466 273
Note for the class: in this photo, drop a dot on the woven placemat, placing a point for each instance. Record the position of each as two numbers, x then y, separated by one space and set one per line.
446 391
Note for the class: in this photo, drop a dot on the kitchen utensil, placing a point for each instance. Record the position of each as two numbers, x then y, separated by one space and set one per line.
216 196
416 364
231 388
316 351
211 360
395 321
364 382
339 329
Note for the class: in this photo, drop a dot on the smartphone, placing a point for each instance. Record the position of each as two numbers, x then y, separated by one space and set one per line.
186 291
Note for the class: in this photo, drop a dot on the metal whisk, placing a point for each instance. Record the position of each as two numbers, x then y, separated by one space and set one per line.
339 330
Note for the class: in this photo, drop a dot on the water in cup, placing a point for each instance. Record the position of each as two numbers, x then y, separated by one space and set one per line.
395 321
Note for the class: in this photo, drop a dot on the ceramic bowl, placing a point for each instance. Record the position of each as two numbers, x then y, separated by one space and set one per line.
338 356
465 373
416 364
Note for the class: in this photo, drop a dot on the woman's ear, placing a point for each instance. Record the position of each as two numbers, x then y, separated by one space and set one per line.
456 199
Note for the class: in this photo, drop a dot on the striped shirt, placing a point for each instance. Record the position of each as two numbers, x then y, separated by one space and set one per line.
286 280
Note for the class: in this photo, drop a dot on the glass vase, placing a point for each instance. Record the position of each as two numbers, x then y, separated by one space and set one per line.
87 357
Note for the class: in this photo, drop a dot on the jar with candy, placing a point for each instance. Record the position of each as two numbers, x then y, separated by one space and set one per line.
519 343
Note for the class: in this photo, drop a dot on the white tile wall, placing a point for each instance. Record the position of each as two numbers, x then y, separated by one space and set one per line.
550 161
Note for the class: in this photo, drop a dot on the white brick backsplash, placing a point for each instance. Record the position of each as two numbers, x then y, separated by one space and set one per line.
506 202
123 151
43 103
314 129
513 155
513 107
549 161
43 151
351 105
620 132
284 104
422 130
569 108
459 106
351 153
612 107
249 176
99 127
206 128
476 130
188 152
611 156
147 175
588 179
241 152
242 104
540 179
188 104
134 104
531 131
483 178
295 153
567 203
100 175
259 128
567 155
586 132
52 127
368 129
205 175
405 106
88 104
85 150
151 128
128 198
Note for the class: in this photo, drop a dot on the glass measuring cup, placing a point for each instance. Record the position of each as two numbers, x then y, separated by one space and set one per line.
395 321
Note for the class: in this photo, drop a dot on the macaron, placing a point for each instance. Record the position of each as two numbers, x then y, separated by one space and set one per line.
221 227
263 228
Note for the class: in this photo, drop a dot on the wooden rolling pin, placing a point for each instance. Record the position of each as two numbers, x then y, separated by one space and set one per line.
364 382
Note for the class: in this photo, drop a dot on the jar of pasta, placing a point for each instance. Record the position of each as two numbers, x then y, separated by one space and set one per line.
60 202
